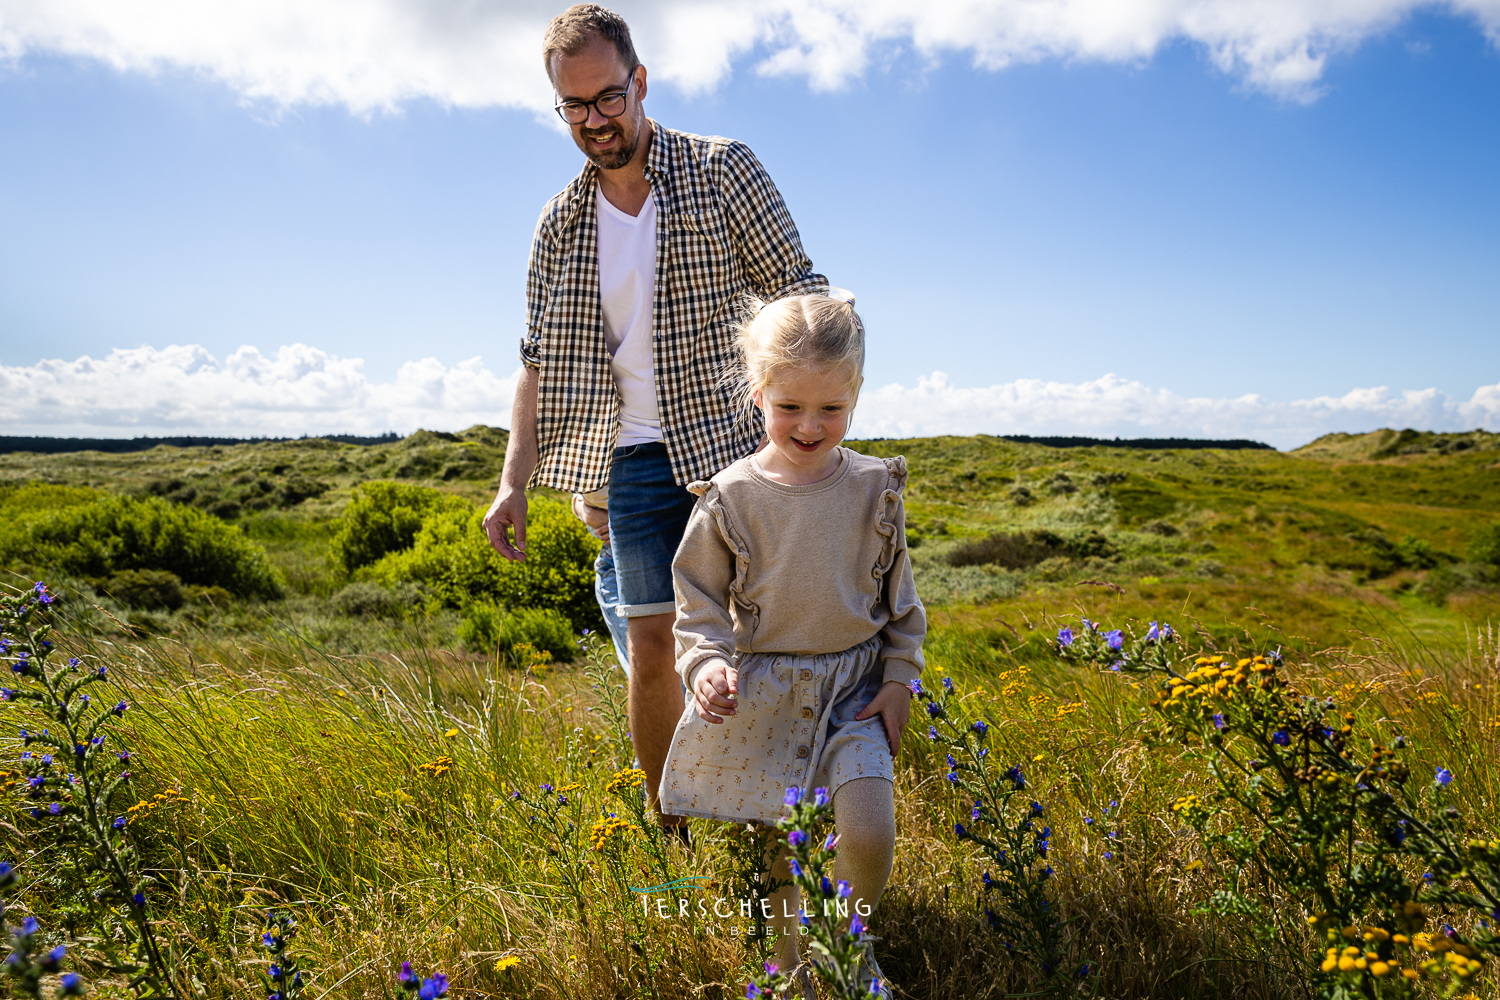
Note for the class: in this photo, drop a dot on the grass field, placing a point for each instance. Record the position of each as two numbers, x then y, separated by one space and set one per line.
292 752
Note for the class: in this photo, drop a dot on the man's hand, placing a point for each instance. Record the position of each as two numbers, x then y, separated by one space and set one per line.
508 511
593 518
893 704
716 689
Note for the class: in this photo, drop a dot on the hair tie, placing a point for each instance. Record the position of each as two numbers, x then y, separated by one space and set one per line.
847 298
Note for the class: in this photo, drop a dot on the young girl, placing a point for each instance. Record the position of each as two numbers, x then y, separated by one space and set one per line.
798 626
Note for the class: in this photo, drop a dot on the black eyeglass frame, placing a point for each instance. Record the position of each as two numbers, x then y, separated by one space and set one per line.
561 106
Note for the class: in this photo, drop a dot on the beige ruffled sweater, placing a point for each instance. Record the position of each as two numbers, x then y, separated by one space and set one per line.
766 567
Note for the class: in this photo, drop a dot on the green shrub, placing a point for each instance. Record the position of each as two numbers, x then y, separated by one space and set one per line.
363 599
115 533
452 558
544 628
146 589
1484 548
480 629
383 518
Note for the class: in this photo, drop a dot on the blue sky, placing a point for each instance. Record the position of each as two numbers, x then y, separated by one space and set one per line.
1158 218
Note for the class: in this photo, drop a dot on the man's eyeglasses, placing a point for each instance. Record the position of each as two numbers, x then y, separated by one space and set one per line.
608 106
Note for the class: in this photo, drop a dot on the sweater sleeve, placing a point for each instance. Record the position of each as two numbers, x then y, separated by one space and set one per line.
901 648
702 573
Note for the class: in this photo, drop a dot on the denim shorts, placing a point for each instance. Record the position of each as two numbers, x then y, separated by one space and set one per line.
648 512
607 593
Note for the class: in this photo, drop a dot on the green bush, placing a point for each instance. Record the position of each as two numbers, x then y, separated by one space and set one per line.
480 629
383 518
544 628
146 589
114 533
452 557
1484 548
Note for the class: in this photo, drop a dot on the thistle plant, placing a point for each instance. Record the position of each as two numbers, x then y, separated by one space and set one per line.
24 966
1010 829
841 956
72 779
283 978
1312 802
750 848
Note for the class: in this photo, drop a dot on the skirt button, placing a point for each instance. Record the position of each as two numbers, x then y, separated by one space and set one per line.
807 713
806 674
801 752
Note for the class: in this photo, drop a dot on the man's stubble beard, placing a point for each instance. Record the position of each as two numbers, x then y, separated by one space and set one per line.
615 159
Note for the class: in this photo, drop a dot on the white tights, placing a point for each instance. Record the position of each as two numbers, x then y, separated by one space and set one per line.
864 811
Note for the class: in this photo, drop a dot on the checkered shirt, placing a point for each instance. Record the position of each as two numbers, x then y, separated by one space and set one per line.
722 233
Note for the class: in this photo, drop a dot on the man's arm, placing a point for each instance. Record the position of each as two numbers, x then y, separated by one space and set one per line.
509 509
764 236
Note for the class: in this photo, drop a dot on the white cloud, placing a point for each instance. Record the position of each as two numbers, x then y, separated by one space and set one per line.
1112 406
302 390
377 54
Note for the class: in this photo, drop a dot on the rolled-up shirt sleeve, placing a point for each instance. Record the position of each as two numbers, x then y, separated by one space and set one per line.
765 238
701 575
538 288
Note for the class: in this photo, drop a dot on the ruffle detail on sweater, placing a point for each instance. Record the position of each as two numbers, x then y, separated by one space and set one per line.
749 611
886 525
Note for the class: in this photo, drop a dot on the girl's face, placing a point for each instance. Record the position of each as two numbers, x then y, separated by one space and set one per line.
807 414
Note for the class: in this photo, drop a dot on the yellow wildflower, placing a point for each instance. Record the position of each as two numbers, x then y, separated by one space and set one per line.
508 962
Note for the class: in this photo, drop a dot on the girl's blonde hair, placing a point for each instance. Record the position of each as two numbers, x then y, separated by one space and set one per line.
798 332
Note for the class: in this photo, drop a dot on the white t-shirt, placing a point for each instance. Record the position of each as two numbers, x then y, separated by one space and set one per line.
627 292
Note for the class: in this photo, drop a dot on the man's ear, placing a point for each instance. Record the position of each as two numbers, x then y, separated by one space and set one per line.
640 83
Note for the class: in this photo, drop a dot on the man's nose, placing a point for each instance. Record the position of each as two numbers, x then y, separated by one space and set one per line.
593 115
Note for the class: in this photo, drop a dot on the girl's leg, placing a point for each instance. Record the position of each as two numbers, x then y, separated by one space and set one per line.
864 810
785 900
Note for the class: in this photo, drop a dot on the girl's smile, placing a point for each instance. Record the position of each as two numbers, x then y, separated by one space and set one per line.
807 414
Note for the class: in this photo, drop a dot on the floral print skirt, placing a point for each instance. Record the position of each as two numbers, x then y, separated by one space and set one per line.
795 726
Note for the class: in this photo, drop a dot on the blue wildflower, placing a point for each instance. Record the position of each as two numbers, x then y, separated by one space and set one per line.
935 710
796 868
856 926
820 797
403 977
845 890
1115 638
826 886
1443 777
792 797
1065 638
1037 809
119 823
932 733
916 686
433 988
796 838
981 728
29 926
1153 633
1219 722
752 992
1280 738
959 831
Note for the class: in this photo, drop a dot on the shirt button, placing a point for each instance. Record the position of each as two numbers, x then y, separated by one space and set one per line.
801 752
807 713
806 674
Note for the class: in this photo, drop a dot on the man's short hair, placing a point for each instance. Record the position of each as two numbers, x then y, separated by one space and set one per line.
571 32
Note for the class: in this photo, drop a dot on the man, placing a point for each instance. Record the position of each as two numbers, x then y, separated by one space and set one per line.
638 273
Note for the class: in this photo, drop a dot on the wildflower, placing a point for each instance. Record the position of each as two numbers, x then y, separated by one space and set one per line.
1115 638
55 808
795 867
1088 821
989 883
916 686
974 813
875 987
507 962
845 890
981 728
935 710
53 959
1037 809
102 672
1108 855
1219 720
124 755
29 926
984 752
831 842
953 776
6 694
1280 738
826 886
46 759
403 977
1014 776
547 787
73 661
752 992
856 926
1065 638
802 917
1153 633
952 762
1443 777
121 708
796 838
435 987
959 831
820 797
932 733
71 984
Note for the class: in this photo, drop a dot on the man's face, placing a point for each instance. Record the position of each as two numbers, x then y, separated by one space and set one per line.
609 143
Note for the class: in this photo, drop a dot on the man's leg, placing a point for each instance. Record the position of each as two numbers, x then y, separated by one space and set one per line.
655 695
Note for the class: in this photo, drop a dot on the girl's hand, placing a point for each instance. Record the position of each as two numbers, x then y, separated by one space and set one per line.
893 704
716 689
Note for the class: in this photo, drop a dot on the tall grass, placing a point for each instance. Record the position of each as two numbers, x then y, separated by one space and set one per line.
300 783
